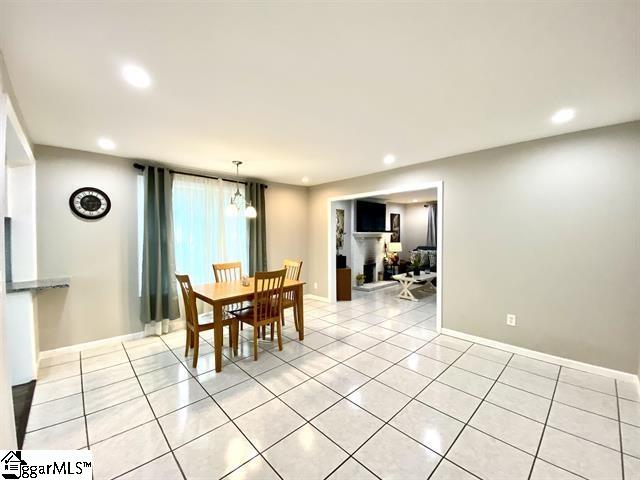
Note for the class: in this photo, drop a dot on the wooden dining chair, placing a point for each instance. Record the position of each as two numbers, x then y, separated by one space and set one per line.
230 272
200 323
293 268
266 308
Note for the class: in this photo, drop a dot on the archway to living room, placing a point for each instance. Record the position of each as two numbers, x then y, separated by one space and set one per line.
385 253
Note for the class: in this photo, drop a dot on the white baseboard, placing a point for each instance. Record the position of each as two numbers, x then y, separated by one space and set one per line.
173 326
311 296
545 357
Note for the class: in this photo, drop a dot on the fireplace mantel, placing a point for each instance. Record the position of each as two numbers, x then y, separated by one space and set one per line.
360 235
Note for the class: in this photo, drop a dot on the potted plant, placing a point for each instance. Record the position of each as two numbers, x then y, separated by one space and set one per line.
360 279
416 262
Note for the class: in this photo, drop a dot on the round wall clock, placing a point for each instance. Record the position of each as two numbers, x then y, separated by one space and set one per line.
89 203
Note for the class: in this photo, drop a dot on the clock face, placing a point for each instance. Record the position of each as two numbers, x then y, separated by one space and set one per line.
89 203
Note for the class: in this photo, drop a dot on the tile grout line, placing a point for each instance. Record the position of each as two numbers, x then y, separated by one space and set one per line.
544 428
620 431
468 420
84 410
231 420
156 418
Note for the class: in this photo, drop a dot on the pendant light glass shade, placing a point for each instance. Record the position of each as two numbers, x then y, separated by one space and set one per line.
250 211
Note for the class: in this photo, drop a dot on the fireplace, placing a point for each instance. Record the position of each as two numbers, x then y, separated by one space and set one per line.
369 270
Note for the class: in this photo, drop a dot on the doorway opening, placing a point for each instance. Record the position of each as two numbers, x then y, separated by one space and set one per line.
388 243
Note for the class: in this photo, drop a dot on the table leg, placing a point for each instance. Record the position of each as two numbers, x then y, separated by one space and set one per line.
406 293
217 335
300 305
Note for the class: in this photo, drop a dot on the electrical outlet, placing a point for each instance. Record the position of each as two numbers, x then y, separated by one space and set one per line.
315 285
511 319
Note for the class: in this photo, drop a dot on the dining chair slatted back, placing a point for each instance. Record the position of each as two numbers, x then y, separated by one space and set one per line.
293 268
227 272
193 320
267 305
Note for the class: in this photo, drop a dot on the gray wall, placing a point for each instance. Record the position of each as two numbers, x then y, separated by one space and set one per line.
547 229
101 256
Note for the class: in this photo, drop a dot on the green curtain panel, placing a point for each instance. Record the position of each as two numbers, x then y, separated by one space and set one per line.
257 229
159 292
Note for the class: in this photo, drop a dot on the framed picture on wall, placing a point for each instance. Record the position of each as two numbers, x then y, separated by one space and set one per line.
394 221
339 229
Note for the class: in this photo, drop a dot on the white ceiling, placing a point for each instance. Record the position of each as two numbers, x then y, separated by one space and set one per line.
318 89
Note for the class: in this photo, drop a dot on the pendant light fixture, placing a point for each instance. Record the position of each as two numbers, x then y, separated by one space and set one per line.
237 201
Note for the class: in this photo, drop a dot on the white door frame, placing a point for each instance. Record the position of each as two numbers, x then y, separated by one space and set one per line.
331 241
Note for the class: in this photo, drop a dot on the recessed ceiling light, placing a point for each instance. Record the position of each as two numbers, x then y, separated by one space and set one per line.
136 76
415 200
564 115
389 159
305 179
106 143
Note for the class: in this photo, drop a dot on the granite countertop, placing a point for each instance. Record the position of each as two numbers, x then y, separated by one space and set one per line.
38 285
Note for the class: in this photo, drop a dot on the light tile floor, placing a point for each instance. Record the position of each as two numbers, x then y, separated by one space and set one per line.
372 392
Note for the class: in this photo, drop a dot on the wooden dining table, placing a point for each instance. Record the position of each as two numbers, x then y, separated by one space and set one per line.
226 293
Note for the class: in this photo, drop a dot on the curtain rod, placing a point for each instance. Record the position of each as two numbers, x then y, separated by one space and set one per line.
142 167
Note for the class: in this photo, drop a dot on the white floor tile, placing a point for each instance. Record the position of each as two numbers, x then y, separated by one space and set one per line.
368 364
107 376
103 361
339 351
153 362
352 470
530 382
310 398
580 456
243 397
164 467
406 341
361 341
479 366
426 366
630 439
175 396
58 372
631 467
449 471
214 382
191 421
452 343
347 424
306 453
404 380
69 435
488 353
291 351
114 420
45 392
269 423
112 394
519 401
532 365
342 379
628 391
509 427
487 457
389 352
378 399
586 399
440 353
428 426
313 363
282 378
127 451
254 469
588 380
215 454
629 412
392 455
55 411
545 471
583 424
163 377
466 381
449 400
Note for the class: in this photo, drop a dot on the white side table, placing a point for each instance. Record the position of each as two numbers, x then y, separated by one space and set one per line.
407 282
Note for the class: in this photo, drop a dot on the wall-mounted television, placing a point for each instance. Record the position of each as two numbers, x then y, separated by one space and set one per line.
370 216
